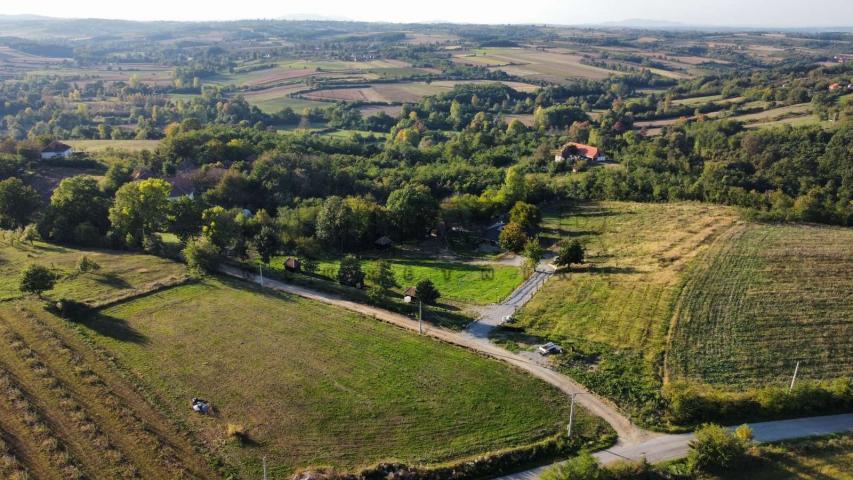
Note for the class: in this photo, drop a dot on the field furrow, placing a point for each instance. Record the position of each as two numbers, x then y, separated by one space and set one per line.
147 443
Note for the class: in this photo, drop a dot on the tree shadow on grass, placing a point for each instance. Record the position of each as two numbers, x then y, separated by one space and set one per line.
112 280
610 269
112 327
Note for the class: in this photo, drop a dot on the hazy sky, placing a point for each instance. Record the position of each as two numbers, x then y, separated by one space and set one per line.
776 13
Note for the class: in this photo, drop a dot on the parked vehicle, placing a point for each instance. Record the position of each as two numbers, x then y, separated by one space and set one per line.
550 348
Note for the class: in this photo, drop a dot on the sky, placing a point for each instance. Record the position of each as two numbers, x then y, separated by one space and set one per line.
735 13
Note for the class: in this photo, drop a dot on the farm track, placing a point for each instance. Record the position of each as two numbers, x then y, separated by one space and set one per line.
79 400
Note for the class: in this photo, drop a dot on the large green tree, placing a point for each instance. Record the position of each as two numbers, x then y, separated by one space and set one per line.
18 203
78 212
140 208
413 209
333 222
570 253
525 214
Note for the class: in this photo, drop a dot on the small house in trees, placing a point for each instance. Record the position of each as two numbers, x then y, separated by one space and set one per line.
292 265
383 243
56 150
410 294
578 151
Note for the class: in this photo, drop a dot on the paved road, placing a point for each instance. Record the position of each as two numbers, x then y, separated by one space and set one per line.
671 447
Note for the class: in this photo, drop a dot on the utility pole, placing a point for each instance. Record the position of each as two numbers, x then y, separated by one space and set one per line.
265 468
420 316
794 378
572 415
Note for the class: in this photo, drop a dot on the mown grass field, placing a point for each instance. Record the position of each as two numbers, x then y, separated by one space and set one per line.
121 273
771 295
97 146
316 385
635 252
460 281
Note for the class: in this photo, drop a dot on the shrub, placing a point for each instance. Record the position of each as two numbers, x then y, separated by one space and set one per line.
235 430
693 404
201 255
582 467
86 265
36 279
716 449
641 470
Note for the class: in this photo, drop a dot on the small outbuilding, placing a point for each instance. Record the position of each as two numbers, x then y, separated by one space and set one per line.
292 265
410 294
56 150
383 243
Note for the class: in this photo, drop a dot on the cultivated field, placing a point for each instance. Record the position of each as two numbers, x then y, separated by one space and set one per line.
65 413
121 273
403 92
635 254
555 65
767 297
311 384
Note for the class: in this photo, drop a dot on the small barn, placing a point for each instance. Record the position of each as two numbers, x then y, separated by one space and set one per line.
410 294
56 150
383 243
292 265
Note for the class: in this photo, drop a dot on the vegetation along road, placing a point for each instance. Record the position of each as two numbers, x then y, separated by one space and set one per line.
670 447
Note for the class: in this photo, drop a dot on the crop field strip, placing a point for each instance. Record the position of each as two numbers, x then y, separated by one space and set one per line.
347 428
81 400
766 298
74 421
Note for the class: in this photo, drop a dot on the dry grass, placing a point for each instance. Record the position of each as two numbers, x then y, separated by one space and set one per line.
87 414
635 254
122 273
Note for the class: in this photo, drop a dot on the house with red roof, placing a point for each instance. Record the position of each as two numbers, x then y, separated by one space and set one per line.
578 151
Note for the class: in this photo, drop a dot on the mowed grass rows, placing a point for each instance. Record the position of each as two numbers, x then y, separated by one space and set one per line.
768 297
80 419
316 385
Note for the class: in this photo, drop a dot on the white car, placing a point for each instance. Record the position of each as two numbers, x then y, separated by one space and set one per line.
549 349
508 319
